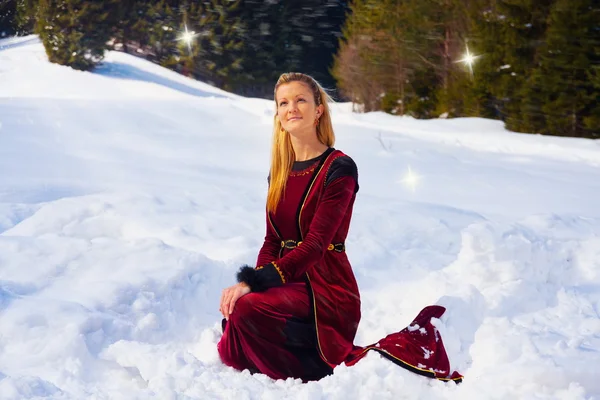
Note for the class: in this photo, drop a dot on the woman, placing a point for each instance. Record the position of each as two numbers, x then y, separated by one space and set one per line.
296 313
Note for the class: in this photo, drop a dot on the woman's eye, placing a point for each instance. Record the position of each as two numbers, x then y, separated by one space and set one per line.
300 99
283 103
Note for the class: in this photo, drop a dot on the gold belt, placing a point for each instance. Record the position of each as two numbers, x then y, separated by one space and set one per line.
292 244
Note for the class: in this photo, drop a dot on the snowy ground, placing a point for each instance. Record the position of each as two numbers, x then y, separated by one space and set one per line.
129 197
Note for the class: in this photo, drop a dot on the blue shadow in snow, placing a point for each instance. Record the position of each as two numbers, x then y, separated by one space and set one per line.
119 70
18 43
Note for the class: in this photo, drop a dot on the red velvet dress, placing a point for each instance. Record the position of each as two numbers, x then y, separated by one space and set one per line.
304 319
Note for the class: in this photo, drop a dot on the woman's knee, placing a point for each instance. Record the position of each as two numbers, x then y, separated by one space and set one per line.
245 309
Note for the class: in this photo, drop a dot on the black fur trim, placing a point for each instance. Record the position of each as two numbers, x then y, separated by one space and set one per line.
247 275
259 280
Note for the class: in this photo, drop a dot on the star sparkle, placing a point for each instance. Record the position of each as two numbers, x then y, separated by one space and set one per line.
411 179
468 59
187 37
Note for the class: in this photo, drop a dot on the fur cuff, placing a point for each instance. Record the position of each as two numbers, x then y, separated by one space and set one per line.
247 275
260 279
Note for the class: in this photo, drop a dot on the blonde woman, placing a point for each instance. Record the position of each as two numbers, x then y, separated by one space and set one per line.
296 313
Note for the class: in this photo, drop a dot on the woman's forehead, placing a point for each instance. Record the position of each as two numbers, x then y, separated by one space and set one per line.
292 89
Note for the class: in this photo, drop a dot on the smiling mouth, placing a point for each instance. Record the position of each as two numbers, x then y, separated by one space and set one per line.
293 119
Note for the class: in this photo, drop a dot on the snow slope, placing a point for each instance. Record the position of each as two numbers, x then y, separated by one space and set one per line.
130 196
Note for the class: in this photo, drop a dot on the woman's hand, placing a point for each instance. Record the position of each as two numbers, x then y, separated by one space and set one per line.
230 295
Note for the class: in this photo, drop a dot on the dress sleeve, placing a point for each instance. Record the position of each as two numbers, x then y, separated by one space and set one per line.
270 248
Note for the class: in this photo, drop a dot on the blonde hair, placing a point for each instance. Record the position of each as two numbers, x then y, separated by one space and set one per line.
282 153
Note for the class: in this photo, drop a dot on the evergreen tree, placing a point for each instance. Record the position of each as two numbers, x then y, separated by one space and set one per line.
508 36
260 53
26 16
486 41
448 26
217 55
282 36
162 23
308 36
131 26
564 88
592 119
8 16
17 17
74 32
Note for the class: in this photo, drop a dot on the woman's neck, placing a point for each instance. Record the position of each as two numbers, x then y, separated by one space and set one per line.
306 151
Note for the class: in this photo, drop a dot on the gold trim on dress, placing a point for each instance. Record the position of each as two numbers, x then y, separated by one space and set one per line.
316 324
426 372
307 276
279 271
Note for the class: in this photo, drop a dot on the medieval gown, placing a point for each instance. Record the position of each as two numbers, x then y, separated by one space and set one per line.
303 312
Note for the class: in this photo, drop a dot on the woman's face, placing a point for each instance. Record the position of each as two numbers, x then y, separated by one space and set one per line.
296 108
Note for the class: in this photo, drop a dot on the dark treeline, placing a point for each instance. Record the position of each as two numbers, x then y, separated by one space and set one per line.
239 45
536 66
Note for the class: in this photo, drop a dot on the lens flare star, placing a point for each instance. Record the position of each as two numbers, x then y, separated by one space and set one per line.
188 37
468 59
410 179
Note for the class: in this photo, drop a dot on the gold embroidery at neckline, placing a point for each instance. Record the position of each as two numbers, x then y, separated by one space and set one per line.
306 171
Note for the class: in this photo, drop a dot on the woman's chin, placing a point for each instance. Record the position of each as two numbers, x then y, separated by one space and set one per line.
298 130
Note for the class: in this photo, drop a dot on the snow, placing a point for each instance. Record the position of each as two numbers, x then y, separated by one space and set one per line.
130 196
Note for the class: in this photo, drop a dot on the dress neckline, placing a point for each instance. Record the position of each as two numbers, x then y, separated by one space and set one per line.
307 165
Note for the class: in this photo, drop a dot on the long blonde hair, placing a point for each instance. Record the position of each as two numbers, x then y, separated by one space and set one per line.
282 153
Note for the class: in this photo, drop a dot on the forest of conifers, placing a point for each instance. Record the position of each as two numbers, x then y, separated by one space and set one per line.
535 64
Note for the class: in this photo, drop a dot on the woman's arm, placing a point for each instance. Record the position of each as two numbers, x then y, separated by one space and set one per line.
328 217
270 248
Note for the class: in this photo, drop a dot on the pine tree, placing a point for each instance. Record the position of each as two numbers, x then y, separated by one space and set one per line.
592 120
74 32
131 26
486 41
508 35
282 36
222 41
8 15
260 52
308 36
160 24
449 26
215 54
26 15
562 85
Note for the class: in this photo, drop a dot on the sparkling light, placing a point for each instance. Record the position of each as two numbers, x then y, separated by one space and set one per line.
411 179
468 59
187 37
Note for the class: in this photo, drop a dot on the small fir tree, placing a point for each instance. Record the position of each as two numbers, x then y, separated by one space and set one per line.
74 32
